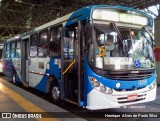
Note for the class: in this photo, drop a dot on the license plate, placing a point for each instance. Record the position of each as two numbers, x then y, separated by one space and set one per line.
132 97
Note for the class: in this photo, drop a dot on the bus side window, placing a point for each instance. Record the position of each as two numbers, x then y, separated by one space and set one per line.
42 48
54 42
18 49
33 45
8 50
13 50
4 50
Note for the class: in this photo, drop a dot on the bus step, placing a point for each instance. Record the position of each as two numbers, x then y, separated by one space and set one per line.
71 101
25 84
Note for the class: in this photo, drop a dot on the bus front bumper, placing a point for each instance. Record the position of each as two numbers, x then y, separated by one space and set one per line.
97 100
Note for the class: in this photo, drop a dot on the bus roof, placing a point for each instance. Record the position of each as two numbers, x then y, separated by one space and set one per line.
78 15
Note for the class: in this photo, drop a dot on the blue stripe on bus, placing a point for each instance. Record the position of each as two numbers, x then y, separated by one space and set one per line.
79 15
41 86
8 67
127 84
54 70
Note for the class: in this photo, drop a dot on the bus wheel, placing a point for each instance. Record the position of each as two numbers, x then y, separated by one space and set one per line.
14 78
55 93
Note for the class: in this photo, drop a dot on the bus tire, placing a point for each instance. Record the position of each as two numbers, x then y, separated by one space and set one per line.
55 94
53 89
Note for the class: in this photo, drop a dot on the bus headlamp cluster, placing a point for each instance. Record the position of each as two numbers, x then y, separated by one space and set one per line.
100 87
152 85
96 84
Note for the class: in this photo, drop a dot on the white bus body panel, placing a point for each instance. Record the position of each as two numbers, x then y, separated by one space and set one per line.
36 73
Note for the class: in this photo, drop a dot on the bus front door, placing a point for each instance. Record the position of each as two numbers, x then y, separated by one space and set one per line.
24 61
71 66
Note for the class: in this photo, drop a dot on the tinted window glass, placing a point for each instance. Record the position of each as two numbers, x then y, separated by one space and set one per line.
18 49
13 49
42 49
8 51
33 45
55 42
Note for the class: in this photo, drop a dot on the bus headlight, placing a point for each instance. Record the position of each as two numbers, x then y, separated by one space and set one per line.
152 85
110 91
100 87
96 84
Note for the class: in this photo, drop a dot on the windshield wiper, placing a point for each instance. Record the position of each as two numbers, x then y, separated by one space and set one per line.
116 28
119 35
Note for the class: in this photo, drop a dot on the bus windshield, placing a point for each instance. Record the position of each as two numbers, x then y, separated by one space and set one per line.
120 48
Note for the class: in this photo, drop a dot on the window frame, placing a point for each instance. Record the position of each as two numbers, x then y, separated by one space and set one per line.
16 48
13 48
8 49
30 42
53 28
39 43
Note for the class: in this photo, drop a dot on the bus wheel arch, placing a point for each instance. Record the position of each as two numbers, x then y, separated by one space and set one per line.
53 88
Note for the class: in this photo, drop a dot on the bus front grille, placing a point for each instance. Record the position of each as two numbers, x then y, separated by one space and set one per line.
122 100
132 89
128 76
125 74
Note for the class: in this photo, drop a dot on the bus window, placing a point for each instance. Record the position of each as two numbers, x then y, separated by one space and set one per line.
18 49
42 49
55 43
13 49
8 50
68 44
33 45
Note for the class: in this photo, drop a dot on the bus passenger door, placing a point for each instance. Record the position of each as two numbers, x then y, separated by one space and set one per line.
71 66
24 61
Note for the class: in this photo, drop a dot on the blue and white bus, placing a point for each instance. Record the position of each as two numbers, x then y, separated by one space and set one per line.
97 57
